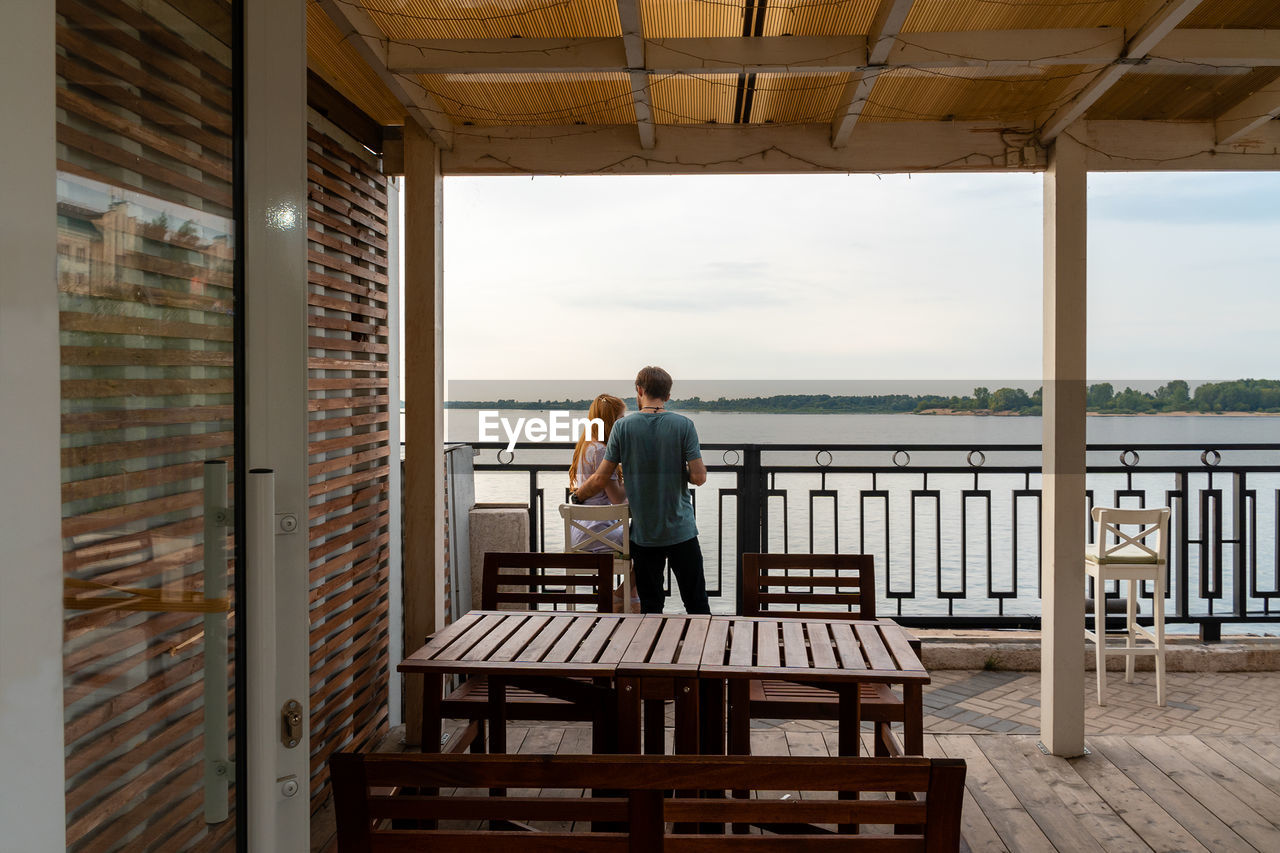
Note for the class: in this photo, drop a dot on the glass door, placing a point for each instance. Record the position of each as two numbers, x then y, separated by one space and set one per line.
148 299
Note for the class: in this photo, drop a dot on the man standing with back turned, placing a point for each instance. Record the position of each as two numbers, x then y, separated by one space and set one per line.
660 457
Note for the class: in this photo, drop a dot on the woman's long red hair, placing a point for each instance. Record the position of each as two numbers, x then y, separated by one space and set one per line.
607 408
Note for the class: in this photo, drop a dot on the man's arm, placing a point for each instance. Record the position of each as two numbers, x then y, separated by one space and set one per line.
616 491
697 471
596 482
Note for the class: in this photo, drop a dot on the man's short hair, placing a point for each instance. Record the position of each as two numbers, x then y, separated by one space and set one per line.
654 382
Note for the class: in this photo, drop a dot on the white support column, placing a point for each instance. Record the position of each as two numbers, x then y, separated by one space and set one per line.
424 403
31 753
275 259
1063 506
395 523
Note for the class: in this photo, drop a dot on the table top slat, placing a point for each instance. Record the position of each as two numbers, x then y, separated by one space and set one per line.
664 651
821 646
904 656
516 643
640 649
595 641
742 652
877 656
442 638
793 647
767 644
716 645
696 635
488 634
569 640
546 638
847 645
624 631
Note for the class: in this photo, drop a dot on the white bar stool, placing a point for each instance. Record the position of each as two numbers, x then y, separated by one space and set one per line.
1120 556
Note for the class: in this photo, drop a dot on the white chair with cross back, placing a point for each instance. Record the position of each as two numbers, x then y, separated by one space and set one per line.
1140 555
592 528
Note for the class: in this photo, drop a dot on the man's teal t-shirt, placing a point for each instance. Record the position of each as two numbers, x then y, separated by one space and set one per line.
652 448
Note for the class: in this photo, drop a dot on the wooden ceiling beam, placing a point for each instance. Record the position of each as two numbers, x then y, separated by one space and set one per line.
1179 146
1218 48
1247 116
1000 51
367 39
890 16
878 147
633 45
1159 24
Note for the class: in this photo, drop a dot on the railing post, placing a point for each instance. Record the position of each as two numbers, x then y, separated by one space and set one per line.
750 511
1239 564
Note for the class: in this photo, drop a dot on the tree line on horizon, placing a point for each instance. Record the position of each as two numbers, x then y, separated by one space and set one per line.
1240 395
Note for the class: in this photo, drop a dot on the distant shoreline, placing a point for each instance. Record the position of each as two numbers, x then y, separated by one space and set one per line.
988 414
509 405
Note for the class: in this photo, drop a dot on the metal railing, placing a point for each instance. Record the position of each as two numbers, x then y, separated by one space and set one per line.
956 529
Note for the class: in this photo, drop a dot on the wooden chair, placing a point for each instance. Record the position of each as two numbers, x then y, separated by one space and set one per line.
829 586
1139 556
615 538
532 581
636 811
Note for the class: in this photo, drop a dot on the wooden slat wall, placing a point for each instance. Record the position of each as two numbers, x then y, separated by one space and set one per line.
145 266
351 406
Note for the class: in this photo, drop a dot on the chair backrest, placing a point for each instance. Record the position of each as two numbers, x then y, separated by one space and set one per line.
835 586
533 580
614 536
633 816
1148 543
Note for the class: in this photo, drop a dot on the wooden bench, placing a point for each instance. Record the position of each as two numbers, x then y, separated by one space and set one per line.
796 803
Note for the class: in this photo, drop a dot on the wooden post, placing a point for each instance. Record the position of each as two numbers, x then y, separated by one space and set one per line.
1063 507
424 403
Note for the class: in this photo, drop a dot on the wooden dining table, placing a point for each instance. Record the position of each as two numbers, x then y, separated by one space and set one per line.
614 662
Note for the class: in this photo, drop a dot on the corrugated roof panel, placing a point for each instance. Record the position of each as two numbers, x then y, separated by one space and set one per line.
787 99
410 19
1178 97
691 19
684 99
486 100
970 95
928 16
334 59
807 18
1235 14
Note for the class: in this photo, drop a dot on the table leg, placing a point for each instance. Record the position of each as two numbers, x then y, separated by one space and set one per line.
432 729
913 725
432 724
604 725
686 734
686 740
740 733
711 715
628 716
850 734
497 715
711 735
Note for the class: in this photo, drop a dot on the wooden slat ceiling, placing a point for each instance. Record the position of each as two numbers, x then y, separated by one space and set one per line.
486 63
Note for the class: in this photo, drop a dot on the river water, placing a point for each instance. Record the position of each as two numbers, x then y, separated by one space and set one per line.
960 546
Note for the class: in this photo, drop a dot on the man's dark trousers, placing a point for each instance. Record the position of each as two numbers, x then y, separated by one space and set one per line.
685 558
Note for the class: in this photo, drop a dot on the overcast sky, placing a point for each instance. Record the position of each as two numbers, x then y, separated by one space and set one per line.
934 277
